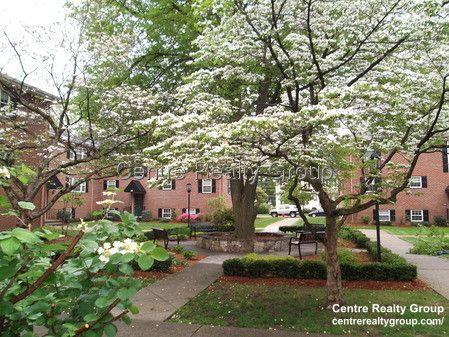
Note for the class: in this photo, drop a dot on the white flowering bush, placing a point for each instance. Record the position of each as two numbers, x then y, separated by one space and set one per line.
71 287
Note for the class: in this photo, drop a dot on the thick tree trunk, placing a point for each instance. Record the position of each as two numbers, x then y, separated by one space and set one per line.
334 292
243 194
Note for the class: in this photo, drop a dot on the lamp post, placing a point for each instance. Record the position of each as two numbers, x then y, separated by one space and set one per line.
189 190
375 155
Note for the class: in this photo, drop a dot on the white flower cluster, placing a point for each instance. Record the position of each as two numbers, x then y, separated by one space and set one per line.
4 173
121 247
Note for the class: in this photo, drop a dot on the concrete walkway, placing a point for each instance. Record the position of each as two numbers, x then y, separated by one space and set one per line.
274 228
433 270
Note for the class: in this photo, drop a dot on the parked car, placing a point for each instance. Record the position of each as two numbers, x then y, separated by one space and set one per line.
317 212
289 210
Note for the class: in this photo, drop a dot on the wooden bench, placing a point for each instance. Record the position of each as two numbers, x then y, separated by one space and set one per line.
164 235
303 238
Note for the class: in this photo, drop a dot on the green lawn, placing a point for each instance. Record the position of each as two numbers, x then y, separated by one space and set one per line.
395 230
319 220
298 308
264 221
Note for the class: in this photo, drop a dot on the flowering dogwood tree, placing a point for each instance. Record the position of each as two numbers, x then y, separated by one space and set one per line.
80 130
320 84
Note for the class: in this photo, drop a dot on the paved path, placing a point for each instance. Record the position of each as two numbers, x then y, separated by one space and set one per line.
274 228
164 329
433 270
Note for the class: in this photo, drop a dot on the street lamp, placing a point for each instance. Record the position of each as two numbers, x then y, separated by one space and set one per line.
189 190
375 155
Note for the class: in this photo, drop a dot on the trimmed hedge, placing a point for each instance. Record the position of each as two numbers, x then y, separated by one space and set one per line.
392 268
293 229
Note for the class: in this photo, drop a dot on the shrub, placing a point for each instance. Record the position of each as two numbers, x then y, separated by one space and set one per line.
254 265
263 208
386 223
355 236
94 276
293 229
146 216
366 220
440 221
178 249
189 254
223 217
421 224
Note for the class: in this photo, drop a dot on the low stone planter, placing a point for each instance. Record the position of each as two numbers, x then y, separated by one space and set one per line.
227 243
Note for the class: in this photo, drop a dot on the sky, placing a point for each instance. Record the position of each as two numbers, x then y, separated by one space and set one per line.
18 19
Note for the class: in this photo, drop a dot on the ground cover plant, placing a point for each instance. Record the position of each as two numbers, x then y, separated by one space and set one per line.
279 306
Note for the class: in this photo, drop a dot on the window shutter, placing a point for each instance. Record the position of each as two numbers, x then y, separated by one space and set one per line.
445 160
184 211
426 215
375 215
392 215
105 185
173 184
117 183
87 186
214 186
200 186
408 215
159 212
197 211
73 213
424 181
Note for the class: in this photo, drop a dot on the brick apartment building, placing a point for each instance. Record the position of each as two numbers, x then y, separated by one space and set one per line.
135 194
426 197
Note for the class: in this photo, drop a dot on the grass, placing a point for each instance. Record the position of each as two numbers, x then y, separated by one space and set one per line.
319 220
396 230
299 308
262 222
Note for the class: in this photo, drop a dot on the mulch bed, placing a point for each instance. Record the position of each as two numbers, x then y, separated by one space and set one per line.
374 285
173 269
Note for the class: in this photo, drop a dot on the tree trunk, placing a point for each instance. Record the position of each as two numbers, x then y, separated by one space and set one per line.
334 292
243 194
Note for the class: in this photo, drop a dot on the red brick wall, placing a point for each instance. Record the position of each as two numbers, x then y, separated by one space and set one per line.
433 198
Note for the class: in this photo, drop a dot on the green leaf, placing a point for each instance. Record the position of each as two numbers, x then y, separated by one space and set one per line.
8 270
103 302
127 257
127 320
133 309
126 293
160 254
26 205
126 269
4 203
110 330
10 246
148 246
145 262
25 235
90 317
89 245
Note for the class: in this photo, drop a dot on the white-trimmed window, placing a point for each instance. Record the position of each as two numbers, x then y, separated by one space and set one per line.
4 98
416 182
166 213
167 185
81 188
207 186
192 211
384 216
111 184
78 154
417 215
